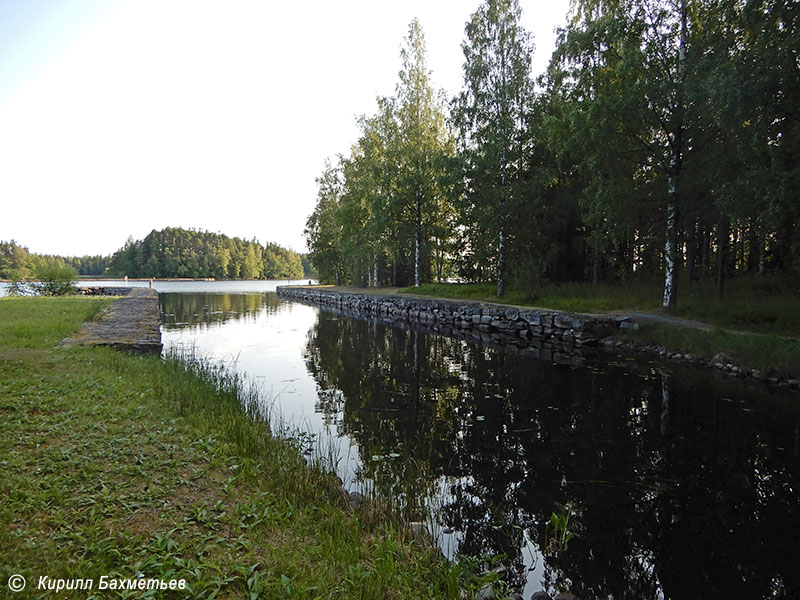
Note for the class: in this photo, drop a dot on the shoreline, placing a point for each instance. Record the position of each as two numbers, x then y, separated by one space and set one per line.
526 329
163 463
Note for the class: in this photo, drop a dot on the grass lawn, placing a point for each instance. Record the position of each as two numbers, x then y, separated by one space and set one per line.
770 354
119 465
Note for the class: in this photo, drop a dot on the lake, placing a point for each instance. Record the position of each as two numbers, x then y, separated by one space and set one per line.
611 477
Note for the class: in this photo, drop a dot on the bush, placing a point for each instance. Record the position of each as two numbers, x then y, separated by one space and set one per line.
16 286
56 280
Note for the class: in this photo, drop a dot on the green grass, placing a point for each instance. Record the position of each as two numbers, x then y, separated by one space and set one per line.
114 464
767 353
576 297
38 322
765 305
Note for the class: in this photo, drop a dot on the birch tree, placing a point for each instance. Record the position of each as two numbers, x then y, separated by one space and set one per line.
491 111
631 64
423 140
323 230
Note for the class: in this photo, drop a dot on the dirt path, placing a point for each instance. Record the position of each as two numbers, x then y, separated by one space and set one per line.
657 318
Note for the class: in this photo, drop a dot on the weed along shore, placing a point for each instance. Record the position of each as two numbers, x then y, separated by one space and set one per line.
564 336
128 466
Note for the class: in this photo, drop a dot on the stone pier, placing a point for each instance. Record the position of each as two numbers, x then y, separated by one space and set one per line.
131 323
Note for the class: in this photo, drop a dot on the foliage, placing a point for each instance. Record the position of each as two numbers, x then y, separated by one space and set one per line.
490 114
14 260
322 229
175 252
660 144
17 262
55 280
558 530
423 142
383 213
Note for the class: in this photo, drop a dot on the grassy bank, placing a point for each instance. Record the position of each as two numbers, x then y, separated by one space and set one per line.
764 311
114 464
757 304
769 354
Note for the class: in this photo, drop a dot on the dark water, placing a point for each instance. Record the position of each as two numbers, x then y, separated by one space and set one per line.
678 485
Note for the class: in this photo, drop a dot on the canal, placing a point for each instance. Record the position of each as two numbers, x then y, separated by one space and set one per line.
608 476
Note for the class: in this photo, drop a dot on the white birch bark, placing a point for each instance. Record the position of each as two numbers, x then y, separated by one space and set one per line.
673 189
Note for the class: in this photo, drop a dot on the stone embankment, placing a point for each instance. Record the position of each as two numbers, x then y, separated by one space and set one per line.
550 335
131 323
494 323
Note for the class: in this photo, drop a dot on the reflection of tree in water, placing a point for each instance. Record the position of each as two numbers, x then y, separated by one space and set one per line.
684 485
397 412
208 310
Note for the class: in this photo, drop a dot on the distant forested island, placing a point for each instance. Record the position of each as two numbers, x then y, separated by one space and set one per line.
176 252
170 252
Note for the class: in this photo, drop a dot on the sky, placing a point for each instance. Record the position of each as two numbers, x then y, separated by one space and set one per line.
118 117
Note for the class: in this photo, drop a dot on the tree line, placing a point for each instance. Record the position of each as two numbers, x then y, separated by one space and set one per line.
176 252
17 262
662 140
171 252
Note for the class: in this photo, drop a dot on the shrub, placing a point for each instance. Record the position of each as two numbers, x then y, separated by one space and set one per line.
56 280
16 286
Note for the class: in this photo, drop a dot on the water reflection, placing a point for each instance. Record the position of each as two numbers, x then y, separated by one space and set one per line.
682 486
206 310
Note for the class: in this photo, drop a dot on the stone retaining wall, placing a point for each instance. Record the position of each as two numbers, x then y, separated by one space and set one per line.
499 321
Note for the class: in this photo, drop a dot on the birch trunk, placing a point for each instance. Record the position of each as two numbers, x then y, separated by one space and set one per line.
691 252
501 238
671 252
417 237
501 262
673 185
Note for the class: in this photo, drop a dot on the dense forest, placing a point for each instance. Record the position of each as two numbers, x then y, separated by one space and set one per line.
17 262
171 252
175 252
660 144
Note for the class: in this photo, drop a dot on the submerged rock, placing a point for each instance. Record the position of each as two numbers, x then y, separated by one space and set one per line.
356 499
485 593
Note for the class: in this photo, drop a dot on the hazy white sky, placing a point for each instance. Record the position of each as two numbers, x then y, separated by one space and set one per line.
122 116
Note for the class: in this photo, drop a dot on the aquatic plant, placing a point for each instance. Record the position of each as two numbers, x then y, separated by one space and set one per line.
557 529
